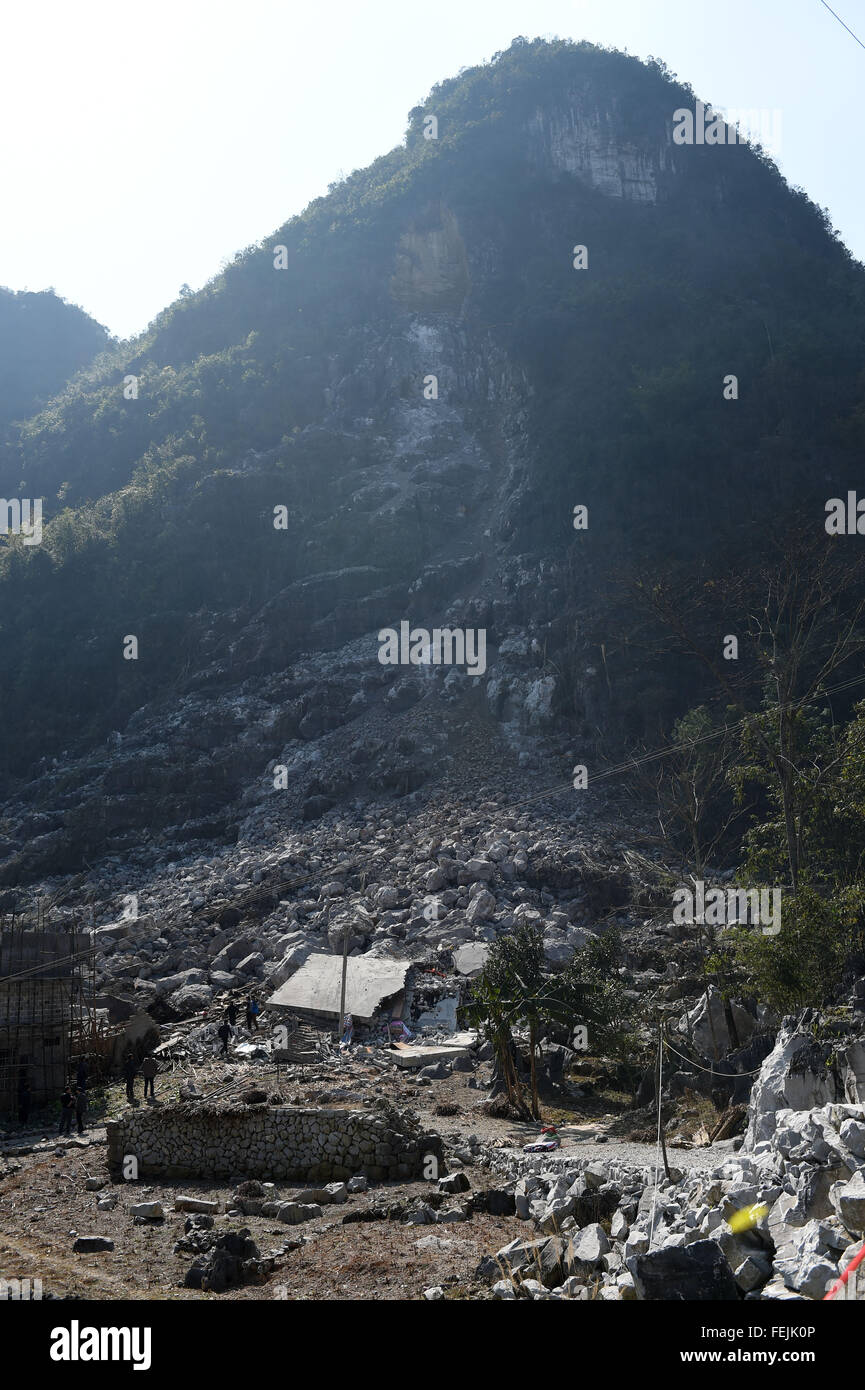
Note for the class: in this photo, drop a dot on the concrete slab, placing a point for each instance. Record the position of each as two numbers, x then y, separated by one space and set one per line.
408 1055
315 987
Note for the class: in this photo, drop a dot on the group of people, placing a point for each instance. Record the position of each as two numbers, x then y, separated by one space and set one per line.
73 1102
148 1069
227 1027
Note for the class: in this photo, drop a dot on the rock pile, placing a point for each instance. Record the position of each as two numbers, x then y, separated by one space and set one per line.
781 1220
230 1259
247 917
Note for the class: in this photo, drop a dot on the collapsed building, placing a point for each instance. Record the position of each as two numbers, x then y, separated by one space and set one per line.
377 990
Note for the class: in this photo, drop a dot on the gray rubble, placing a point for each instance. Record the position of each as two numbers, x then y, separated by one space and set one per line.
780 1218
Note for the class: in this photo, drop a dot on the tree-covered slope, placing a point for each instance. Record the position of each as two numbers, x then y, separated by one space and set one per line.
43 342
303 387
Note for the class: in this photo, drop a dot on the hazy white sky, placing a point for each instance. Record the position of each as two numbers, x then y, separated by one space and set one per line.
141 145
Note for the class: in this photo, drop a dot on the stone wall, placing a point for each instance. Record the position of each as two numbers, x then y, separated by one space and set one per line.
273 1142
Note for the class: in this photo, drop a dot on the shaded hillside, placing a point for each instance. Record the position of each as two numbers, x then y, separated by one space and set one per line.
304 388
43 342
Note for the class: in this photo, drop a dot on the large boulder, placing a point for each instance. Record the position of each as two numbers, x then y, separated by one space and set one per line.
852 1134
233 951
848 1200
190 999
811 1275
693 1273
251 964
588 1248
557 948
169 984
85 1245
234 1259
293 959
481 908
547 1260
706 1035
795 1077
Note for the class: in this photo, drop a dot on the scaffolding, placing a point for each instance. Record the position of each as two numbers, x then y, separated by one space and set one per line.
47 1016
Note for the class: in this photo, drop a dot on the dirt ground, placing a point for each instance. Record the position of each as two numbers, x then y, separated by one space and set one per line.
45 1204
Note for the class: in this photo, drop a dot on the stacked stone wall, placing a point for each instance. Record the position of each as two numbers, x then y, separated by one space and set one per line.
267 1141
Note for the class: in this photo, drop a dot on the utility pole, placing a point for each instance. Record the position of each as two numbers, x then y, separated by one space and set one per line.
345 937
660 1110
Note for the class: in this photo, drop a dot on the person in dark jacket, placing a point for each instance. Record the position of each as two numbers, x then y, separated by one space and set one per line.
81 1108
224 1032
67 1110
24 1098
130 1071
232 1014
149 1068
253 1009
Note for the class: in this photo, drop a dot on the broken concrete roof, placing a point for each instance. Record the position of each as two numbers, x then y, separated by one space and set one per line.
316 986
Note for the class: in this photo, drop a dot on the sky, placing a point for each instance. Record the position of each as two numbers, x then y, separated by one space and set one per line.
141 146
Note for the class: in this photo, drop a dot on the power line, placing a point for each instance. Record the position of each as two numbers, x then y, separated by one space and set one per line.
841 22
613 771
711 1071
666 752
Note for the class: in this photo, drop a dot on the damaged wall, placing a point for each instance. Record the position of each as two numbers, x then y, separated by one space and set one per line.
277 1143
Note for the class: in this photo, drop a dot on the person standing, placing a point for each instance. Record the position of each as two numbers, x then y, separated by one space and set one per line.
232 1014
224 1032
149 1068
67 1110
129 1073
81 1108
253 1009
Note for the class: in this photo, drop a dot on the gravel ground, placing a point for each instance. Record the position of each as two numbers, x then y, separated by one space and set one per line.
638 1155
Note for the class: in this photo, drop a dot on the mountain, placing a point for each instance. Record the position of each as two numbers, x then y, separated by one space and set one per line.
43 342
417 373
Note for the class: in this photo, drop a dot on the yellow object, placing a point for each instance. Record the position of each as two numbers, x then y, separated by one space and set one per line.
747 1218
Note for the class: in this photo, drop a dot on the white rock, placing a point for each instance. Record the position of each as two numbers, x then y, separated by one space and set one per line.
853 1135
148 1211
591 1244
848 1199
781 1086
